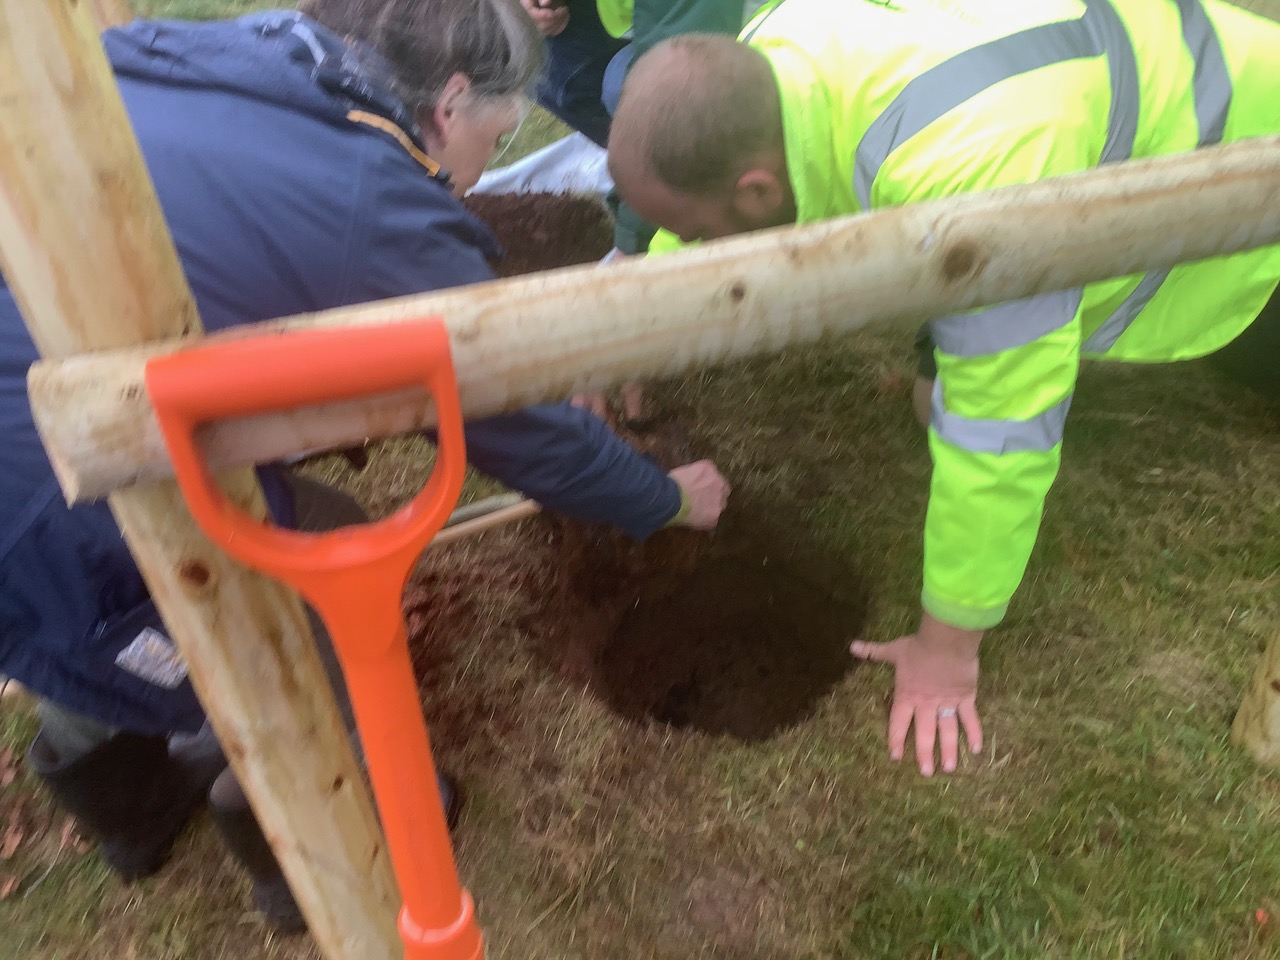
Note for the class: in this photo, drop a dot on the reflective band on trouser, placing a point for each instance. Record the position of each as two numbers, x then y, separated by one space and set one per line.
1212 91
938 91
1040 434
1007 326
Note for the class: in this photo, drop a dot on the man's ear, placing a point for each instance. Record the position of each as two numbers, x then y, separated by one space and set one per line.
758 195
441 120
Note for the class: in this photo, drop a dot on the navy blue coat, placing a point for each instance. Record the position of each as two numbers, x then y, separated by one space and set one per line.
279 204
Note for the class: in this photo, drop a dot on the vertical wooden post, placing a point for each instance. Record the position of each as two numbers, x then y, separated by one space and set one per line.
1257 723
87 254
110 13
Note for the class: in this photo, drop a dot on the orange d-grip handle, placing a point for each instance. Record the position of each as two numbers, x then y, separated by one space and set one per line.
276 372
354 576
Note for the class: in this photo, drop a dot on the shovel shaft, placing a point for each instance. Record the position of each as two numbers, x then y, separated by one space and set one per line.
354 577
437 921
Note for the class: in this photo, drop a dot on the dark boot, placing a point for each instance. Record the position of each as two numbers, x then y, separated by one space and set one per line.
244 838
271 894
450 798
128 794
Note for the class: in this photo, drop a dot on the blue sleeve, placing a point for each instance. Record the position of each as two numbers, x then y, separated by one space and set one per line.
414 237
571 462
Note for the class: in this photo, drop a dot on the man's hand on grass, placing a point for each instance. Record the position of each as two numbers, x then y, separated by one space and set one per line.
935 689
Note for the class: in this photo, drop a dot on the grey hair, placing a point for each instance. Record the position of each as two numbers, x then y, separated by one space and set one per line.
493 43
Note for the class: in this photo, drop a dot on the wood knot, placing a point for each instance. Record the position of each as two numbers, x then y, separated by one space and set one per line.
738 292
338 782
1275 685
468 333
961 260
194 573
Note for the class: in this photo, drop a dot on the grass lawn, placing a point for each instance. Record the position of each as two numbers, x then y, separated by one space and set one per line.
1109 817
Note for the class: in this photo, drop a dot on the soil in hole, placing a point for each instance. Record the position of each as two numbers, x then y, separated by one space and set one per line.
746 643
740 633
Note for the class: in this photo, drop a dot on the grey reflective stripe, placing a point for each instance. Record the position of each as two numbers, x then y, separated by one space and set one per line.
938 91
763 20
1211 90
1108 29
1009 325
1211 85
1105 337
1039 434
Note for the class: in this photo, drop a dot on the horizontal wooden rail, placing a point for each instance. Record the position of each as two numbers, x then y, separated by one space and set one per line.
546 336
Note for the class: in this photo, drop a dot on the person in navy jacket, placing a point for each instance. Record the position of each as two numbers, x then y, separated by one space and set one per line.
304 160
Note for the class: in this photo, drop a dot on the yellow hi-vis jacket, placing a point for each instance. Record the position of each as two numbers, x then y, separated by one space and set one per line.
616 16
887 102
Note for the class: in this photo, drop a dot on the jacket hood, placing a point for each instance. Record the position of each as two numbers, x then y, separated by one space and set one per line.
279 56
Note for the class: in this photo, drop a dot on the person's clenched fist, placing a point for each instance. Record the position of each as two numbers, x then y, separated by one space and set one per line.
706 490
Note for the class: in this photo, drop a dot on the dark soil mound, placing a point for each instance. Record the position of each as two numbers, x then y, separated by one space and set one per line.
542 231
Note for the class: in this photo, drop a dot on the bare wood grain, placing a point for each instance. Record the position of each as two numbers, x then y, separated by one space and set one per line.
110 13
546 336
85 249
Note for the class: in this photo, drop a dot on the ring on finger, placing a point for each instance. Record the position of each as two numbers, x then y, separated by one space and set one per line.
946 712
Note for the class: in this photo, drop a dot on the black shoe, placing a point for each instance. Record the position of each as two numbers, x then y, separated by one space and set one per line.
128 794
198 755
450 798
271 893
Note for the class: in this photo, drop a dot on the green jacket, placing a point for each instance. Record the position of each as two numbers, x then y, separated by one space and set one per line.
888 103
648 22
616 15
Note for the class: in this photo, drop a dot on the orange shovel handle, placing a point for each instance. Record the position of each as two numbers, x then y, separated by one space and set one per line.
239 378
354 576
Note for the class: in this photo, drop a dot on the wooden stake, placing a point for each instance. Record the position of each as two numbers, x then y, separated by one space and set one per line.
547 336
1257 723
85 250
110 13
475 525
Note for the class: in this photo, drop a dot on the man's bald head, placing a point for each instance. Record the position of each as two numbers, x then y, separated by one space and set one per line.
694 108
700 121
